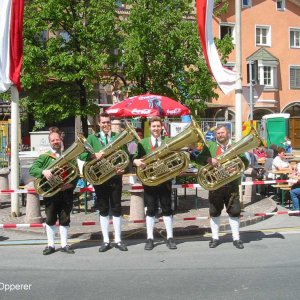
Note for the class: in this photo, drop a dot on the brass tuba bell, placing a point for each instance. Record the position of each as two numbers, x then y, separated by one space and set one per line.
230 166
167 161
98 171
64 170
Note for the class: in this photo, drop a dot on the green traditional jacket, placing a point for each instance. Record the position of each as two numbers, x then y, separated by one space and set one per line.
211 151
144 147
98 143
42 163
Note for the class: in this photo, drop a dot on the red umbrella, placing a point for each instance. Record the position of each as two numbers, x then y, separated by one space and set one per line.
148 105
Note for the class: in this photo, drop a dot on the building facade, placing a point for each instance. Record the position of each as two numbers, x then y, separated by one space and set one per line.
270 37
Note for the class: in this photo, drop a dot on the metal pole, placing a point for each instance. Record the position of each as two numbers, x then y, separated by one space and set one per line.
15 206
239 90
251 90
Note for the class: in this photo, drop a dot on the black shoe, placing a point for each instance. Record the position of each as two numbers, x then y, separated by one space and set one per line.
171 244
238 244
104 247
149 244
67 249
121 246
48 250
214 243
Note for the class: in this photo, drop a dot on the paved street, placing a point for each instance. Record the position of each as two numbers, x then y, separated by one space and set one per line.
268 267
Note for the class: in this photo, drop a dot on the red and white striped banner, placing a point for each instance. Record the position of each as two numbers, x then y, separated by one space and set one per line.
126 221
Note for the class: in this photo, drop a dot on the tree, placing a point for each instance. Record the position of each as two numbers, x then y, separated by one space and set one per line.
68 50
162 54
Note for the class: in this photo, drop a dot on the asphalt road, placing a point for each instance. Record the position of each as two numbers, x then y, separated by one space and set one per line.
268 268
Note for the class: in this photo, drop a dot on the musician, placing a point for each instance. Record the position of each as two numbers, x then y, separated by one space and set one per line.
227 195
153 194
295 191
60 205
110 192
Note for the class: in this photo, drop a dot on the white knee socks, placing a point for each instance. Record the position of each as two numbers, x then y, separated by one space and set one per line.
168 220
235 227
150 226
117 227
50 230
63 231
104 222
215 226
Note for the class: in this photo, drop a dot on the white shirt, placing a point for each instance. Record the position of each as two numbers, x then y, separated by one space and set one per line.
153 140
297 169
279 163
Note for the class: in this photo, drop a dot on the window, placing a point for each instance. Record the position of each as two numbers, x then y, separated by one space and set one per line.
65 35
263 36
294 37
280 4
295 77
246 3
119 3
267 74
228 29
44 36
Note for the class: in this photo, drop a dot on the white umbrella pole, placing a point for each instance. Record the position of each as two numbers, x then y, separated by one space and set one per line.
15 207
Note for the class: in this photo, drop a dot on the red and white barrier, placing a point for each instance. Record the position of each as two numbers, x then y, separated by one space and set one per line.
126 221
140 187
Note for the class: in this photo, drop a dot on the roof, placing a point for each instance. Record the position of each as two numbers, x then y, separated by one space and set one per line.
297 2
262 54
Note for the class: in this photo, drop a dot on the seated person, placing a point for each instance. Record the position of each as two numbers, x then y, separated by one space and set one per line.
268 163
295 191
279 163
274 148
260 153
287 145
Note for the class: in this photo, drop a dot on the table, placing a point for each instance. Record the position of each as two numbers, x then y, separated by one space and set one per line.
284 187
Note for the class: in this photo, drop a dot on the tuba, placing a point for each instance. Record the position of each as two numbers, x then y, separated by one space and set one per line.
167 161
98 171
230 166
63 169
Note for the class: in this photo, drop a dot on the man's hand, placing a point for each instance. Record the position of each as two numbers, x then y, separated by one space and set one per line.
66 186
119 171
139 163
212 161
99 155
47 174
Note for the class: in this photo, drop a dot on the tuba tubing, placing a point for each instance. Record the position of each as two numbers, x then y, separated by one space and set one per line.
230 166
167 161
98 171
63 169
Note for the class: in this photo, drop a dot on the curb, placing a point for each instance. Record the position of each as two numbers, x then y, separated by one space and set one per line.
140 232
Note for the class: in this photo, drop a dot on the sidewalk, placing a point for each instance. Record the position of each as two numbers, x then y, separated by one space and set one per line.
190 206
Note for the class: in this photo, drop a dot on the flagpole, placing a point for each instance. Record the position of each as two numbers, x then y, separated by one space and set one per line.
15 207
239 89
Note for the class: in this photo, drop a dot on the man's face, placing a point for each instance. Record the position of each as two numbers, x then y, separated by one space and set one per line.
281 154
55 141
222 135
105 124
156 128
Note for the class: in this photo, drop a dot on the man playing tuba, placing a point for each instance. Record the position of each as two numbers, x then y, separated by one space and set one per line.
228 194
108 193
59 205
160 192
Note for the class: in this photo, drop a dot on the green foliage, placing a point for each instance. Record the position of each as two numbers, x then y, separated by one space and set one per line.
160 53
60 71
